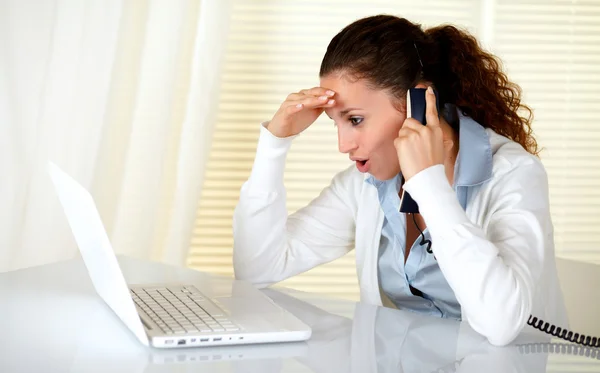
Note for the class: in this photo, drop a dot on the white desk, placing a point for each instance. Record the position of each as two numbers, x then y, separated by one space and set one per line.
51 320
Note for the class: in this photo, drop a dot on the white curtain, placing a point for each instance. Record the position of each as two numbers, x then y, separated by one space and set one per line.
120 94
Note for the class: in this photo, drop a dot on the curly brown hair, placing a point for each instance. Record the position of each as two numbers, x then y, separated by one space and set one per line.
395 54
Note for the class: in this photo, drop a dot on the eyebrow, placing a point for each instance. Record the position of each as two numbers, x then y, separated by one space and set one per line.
346 111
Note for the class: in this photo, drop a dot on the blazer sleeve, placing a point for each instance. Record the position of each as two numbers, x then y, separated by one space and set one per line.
493 270
270 246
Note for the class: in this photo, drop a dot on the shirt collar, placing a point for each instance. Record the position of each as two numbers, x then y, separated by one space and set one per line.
474 162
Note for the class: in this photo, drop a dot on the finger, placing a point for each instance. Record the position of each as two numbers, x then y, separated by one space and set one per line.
413 124
431 113
295 96
317 91
315 102
309 102
448 145
293 108
408 133
313 92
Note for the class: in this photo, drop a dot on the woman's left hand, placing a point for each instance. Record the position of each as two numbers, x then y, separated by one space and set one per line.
418 146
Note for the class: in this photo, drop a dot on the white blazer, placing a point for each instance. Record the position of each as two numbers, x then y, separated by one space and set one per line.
497 256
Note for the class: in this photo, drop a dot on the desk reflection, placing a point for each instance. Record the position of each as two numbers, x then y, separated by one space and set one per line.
375 339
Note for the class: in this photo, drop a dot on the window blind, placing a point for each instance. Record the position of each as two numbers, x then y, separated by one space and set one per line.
275 48
552 49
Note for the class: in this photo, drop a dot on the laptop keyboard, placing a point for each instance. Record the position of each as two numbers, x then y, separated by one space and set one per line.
182 310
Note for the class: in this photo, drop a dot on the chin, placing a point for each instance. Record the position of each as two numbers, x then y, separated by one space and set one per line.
383 175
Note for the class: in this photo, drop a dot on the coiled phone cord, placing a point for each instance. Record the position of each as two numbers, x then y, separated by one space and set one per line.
567 335
538 324
423 239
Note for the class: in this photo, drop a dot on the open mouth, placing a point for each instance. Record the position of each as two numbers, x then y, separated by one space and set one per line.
363 165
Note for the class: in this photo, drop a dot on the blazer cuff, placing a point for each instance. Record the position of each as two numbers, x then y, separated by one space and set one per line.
269 162
437 200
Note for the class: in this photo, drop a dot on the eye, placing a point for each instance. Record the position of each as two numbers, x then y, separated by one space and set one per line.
356 120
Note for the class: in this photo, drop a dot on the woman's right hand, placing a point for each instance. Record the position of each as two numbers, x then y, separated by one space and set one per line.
300 110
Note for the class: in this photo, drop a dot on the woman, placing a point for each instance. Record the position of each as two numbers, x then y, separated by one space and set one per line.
482 191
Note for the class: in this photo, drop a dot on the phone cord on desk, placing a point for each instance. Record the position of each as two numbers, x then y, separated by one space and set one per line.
562 333
539 324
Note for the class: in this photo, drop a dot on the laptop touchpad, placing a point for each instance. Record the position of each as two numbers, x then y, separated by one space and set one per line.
241 306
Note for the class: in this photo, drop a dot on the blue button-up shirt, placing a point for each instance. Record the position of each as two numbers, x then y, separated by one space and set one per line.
421 271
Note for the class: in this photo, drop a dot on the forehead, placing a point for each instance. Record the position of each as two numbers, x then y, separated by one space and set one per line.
355 93
345 86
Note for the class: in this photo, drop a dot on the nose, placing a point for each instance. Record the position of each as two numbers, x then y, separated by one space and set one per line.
346 141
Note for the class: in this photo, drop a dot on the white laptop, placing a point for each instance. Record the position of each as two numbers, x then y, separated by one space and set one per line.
170 315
